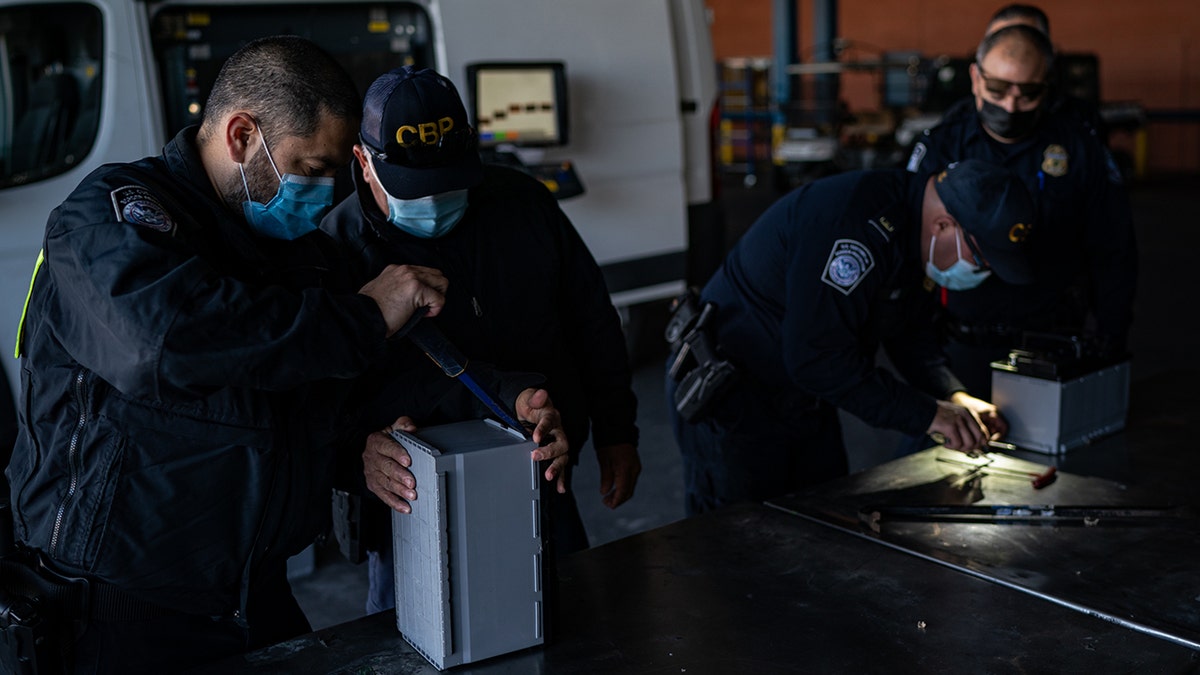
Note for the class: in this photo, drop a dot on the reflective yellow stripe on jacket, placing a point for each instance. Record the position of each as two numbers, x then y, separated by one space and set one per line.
37 266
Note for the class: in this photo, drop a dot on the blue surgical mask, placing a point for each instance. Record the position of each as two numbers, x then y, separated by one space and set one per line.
961 276
426 217
297 207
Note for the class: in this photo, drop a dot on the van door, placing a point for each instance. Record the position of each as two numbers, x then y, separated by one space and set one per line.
61 89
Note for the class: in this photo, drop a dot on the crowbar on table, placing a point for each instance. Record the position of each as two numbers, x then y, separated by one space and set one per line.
1022 514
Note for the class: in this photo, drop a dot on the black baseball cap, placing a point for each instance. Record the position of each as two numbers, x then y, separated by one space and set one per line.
415 128
994 207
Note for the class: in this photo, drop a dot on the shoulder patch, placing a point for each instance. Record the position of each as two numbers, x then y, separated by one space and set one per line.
135 204
849 262
918 154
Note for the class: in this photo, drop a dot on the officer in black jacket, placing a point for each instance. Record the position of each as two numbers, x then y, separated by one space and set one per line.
185 351
802 304
1084 250
525 292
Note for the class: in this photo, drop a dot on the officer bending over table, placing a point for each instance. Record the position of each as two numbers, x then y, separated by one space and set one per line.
788 328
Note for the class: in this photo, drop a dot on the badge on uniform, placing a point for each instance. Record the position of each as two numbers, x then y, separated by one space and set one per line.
1055 161
135 204
849 262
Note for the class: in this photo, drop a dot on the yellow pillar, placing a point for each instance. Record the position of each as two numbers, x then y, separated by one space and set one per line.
1140 144
725 142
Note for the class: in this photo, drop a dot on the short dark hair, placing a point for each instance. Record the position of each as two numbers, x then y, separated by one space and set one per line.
1034 14
1028 34
286 82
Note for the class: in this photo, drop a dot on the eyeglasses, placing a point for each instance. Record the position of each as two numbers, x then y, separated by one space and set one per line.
980 261
450 147
1027 92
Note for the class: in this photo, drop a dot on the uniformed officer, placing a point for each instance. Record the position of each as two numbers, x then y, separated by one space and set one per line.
187 342
525 292
1084 251
1015 14
806 297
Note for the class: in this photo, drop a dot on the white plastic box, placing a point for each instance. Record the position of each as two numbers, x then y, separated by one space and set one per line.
468 559
1053 416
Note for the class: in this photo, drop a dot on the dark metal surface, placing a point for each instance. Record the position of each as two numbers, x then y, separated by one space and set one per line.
1145 575
755 590
1142 575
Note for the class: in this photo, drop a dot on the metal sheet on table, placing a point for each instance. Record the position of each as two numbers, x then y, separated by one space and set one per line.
755 590
1142 573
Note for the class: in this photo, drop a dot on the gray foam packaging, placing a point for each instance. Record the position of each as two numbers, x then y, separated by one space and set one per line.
468 559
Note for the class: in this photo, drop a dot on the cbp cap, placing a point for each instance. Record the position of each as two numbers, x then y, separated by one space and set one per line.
994 207
415 128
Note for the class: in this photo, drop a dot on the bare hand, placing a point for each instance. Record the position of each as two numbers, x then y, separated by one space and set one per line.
996 425
401 290
958 428
385 467
619 469
534 406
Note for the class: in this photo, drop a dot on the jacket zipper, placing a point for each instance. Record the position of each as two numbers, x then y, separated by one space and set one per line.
72 457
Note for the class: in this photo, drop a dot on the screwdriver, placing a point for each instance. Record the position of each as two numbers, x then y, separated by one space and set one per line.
997 445
1039 480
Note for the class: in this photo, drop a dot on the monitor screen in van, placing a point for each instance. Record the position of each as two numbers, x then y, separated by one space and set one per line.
523 104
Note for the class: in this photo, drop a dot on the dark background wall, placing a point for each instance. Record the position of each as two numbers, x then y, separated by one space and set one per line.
1148 51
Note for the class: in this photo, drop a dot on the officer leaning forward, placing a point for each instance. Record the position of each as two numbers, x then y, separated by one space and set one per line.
186 353
804 300
1083 250
509 251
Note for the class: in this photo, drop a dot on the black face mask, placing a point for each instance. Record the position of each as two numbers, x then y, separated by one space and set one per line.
1009 125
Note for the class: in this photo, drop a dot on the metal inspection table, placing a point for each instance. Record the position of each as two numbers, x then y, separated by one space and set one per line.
1127 551
753 589
1082 545
806 584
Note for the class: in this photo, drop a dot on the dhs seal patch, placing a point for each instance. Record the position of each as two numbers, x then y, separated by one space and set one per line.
849 262
135 204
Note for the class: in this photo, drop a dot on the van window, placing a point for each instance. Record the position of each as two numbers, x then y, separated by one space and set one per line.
50 61
192 41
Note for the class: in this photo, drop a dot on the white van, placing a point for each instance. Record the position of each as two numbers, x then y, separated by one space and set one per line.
88 82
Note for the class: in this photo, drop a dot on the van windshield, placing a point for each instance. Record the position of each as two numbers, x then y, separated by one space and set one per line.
50 61
192 40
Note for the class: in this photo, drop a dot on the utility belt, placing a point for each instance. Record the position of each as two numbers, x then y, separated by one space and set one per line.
42 611
704 378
